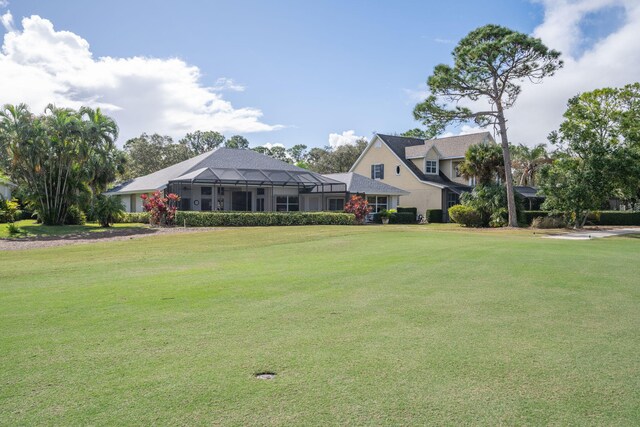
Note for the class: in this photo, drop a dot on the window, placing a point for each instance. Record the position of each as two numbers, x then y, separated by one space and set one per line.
206 205
398 170
377 203
456 170
287 204
205 191
452 200
260 191
221 191
260 204
336 204
377 171
431 167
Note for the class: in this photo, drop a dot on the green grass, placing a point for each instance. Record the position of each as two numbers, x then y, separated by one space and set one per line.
30 228
393 325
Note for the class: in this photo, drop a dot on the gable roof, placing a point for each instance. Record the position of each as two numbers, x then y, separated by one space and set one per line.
398 144
449 147
228 159
357 183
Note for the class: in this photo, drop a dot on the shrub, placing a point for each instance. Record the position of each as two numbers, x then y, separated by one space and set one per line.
491 202
414 211
107 210
434 215
162 210
617 218
252 219
75 216
13 229
548 222
134 217
358 206
528 216
8 210
403 218
466 215
387 213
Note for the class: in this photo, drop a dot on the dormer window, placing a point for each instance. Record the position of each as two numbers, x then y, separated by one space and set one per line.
431 167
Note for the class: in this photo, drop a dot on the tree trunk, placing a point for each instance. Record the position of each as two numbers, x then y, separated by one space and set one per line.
508 176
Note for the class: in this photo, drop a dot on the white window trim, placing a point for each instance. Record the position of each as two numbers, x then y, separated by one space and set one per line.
437 167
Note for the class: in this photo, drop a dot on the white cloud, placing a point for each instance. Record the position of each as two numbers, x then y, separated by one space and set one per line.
612 61
224 83
7 21
270 145
4 3
418 94
39 65
348 137
465 130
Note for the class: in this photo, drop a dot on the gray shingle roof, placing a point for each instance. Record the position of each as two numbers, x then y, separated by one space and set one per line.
357 183
453 146
220 158
398 144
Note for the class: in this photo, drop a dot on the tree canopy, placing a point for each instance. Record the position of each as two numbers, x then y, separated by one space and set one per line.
599 153
59 155
489 65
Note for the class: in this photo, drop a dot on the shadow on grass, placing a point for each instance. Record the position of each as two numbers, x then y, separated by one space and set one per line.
31 231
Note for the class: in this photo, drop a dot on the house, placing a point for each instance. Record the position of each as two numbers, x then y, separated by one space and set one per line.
244 180
6 187
379 195
426 169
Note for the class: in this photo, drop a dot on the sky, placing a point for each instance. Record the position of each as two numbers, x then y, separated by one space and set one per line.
293 72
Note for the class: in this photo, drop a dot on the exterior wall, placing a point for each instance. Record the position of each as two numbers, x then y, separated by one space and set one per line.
422 196
5 191
126 201
448 167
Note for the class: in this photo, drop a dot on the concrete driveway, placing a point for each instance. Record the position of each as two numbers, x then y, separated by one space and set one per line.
594 234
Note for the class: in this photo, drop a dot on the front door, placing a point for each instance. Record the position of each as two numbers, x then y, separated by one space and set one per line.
241 201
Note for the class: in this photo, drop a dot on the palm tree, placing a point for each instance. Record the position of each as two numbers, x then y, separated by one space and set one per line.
485 162
103 160
527 161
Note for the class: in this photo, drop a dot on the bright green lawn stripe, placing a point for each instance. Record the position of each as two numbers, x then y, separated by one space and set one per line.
364 325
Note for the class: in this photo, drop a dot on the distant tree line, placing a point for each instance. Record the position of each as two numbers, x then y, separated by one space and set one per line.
146 153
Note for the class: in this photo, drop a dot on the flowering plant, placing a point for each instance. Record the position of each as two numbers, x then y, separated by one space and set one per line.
359 207
162 209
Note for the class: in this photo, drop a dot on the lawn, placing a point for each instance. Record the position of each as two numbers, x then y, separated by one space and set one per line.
393 325
30 228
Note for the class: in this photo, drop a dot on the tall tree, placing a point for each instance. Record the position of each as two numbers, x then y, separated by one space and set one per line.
489 64
200 142
527 162
150 153
336 160
237 141
418 133
57 155
298 153
599 142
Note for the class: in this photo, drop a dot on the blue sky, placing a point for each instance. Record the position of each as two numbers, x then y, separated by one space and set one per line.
314 68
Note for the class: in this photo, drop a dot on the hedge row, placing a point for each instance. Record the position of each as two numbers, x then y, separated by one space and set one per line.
617 218
134 217
397 218
597 218
414 211
251 219
434 215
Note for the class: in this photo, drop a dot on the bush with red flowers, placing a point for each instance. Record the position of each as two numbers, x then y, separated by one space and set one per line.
162 209
359 207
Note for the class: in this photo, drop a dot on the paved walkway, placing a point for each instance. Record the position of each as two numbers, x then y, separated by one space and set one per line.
594 234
